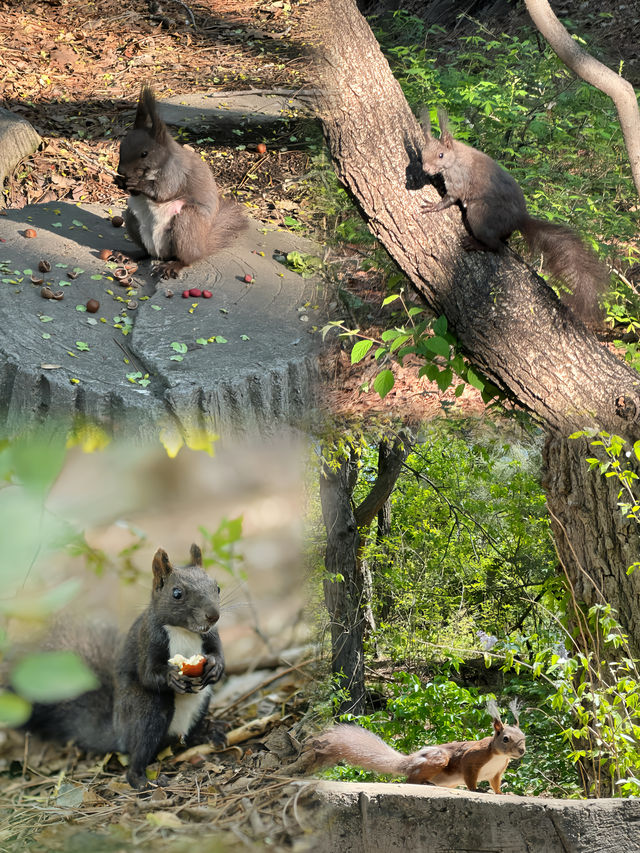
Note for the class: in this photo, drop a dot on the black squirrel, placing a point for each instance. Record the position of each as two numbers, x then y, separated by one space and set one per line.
143 702
447 764
494 206
174 211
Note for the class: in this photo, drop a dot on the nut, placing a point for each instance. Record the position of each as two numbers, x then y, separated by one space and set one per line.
30 232
168 293
105 254
47 293
185 294
195 292
44 266
120 273
92 306
72 275
36 279
132 304
117 221
207 294
261 148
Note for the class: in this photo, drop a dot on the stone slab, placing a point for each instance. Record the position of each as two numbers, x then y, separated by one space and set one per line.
232 110
401 818
262 377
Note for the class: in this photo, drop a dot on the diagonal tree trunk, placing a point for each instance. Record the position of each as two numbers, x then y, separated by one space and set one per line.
508 322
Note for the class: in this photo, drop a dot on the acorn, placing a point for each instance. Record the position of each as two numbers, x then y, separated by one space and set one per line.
117 221
44 266
92 306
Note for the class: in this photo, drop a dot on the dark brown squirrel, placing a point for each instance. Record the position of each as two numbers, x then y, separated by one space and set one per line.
447 764
174 211
143 702
494 206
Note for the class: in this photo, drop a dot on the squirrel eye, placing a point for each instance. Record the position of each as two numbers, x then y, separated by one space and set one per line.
218 588
441 155
505 738
177 592
143 154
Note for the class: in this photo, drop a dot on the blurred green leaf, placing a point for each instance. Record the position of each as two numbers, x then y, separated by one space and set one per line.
14 710
52 677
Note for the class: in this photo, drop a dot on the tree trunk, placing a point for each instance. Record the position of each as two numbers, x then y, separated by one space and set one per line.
345 585
508 322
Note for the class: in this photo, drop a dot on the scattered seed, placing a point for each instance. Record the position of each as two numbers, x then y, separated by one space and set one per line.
92 306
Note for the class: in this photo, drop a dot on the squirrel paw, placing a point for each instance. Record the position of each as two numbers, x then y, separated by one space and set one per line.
430 206
213 670
183 683
168 269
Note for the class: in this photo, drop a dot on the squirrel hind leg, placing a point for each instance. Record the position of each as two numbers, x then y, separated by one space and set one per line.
426 765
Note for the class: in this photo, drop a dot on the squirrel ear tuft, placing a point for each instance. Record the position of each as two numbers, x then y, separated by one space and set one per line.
162 568
424 120
146 111
196 556
446 137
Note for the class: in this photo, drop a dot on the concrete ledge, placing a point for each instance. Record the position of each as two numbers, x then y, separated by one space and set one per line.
362 818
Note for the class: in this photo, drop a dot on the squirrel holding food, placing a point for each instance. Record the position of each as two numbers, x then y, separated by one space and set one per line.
154 682
493 207
447 764
174 211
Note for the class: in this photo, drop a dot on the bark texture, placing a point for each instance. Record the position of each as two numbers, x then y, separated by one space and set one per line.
509 323
348 598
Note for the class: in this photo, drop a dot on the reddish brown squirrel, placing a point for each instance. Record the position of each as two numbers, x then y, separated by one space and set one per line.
447 764
143 702
494 207
174 210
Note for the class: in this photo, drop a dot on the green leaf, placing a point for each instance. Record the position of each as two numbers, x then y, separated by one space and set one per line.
444 379
438 345
179 347
45 319
383 383
360 349
38 463
636 449
474 379
14 710
52 677
390 299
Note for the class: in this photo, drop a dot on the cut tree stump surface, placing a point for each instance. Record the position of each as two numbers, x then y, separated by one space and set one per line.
400 818
57 361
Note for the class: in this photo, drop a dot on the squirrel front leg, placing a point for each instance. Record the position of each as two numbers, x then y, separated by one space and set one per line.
470 775
434 206
495 783
213 669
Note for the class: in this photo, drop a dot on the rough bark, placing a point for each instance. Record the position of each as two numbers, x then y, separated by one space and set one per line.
17 140
348 599
509 323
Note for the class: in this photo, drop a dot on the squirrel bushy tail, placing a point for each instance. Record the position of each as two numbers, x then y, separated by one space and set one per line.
360 748
570 261
228 223
87 720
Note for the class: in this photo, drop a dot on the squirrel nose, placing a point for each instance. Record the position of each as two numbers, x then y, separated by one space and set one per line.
212 617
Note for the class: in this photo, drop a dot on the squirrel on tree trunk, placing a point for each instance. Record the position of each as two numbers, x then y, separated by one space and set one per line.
493 207
174 211
144 701
447 765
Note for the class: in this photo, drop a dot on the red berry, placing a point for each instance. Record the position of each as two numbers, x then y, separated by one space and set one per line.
207 294
195 291
185 294
248 278
261 148
30 232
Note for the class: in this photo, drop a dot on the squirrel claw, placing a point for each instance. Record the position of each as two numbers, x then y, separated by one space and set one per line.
170 269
